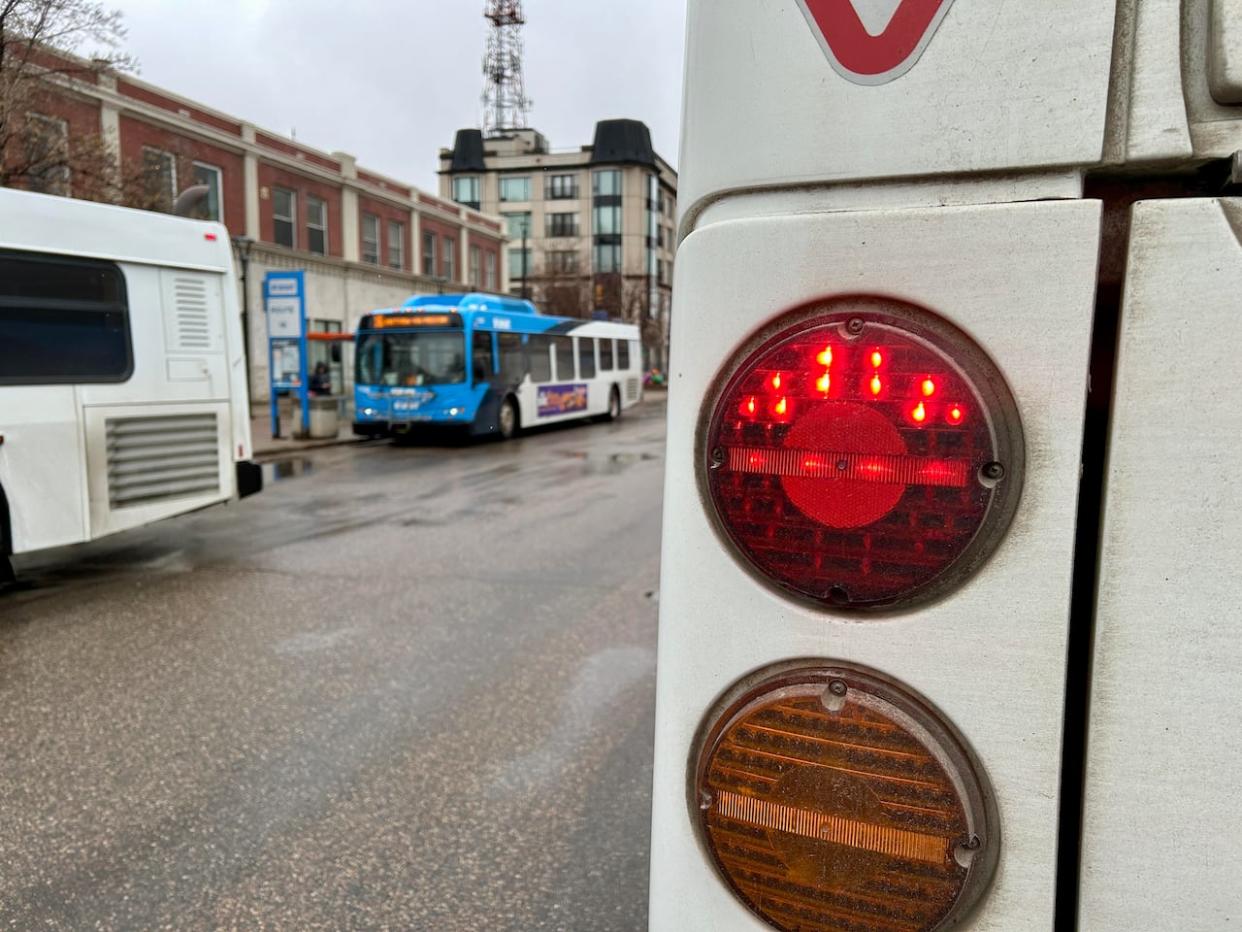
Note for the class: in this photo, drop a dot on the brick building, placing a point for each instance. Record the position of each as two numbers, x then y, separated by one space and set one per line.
365 240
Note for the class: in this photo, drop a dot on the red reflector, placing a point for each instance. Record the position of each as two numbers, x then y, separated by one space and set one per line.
210 237
856 486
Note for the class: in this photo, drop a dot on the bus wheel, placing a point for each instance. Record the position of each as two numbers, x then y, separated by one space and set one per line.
507 420
614 405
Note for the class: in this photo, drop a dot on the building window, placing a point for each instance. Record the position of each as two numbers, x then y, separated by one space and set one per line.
159 172
607 221
563 262
450 258
47 152
396 244
515 189
562 187
370 239
466 191
429 255
607 183
476 270
608 258
489 264
519 263
62 320
517 225
284 217
210 207
316 226
562 224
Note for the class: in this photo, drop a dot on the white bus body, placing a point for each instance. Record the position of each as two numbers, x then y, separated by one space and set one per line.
971 178
168 433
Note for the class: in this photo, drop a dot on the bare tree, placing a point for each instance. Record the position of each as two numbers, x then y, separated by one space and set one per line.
44 46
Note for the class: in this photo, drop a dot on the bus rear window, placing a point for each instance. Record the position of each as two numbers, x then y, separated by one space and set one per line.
62 320
405 359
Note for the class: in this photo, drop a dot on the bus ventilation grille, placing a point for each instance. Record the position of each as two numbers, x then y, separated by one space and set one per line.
153 459
191 330
631 389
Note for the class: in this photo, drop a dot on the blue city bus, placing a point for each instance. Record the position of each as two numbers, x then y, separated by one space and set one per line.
488 365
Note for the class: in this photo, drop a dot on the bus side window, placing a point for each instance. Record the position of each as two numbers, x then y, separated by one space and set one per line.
512 358
62 320
481 353
540 349
564 358
605 354
586 357
623 354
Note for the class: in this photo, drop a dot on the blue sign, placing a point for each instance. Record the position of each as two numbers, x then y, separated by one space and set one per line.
284 300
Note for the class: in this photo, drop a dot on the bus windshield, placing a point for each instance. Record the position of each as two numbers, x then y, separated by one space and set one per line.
411 359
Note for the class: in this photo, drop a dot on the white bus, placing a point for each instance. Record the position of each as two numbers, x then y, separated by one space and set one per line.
950 585
123 396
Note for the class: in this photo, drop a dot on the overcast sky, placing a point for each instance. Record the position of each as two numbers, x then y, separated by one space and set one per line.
390 81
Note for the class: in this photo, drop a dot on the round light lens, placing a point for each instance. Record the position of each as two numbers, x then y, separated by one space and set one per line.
831 798
862 454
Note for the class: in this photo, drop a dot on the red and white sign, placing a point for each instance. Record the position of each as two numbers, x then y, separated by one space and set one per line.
874 41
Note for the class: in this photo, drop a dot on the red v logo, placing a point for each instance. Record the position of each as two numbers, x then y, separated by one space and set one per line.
867 59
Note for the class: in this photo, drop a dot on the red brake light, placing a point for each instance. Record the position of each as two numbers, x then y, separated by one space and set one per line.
884 462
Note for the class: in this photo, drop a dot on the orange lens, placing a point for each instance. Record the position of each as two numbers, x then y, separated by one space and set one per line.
830 798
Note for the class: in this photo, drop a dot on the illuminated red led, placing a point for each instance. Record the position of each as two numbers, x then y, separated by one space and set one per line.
852 476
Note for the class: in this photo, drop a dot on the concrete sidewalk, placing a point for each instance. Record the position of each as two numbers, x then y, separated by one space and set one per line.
266 446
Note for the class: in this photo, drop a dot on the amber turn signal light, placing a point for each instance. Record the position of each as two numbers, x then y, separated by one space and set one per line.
831 798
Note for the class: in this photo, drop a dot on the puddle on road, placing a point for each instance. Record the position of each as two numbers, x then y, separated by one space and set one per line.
599 464
287 469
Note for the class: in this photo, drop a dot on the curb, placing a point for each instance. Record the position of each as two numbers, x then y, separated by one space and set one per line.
298 446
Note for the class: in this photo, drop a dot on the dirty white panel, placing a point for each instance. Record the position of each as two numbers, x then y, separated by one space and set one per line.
1162 838
998 86
992 655
1225 52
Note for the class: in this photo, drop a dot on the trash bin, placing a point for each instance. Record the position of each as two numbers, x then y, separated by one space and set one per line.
324 417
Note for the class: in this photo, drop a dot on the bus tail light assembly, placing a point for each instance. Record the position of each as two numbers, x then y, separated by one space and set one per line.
828 797
861 454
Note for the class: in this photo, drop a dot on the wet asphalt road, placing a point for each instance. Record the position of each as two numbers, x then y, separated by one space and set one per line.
413 688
